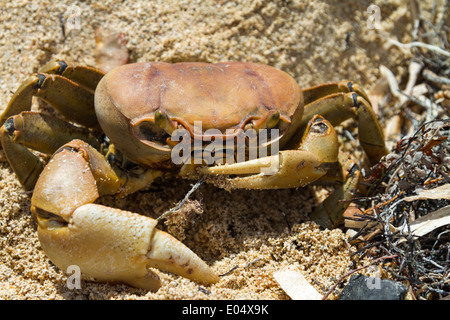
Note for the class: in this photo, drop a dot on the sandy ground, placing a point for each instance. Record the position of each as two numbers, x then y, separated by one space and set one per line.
258 232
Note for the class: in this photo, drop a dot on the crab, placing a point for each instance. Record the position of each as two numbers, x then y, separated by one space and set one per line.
116 133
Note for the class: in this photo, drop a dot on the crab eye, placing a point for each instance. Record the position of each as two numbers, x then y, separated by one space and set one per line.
319 127
149 131
269 121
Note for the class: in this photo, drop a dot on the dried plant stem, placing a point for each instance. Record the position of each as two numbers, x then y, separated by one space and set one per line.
194 187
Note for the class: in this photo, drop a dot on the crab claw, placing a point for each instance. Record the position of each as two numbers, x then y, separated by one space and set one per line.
107 244
287 169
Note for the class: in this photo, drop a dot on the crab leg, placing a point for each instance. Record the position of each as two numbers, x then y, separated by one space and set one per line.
330 212
326 89
25 164
46 133
39 132
73 100
295 168
107 244
86 76
338 102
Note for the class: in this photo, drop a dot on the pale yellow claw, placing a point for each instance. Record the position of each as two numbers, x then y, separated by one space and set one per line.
290 169
107 244
169 254
113 245
287 169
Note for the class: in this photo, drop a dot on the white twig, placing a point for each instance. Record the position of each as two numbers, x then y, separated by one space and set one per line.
393 85
194 187
421 45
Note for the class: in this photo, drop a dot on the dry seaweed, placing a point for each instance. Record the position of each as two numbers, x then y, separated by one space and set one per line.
419 163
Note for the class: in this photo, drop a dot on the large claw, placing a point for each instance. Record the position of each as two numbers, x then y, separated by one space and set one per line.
289 168
107 244
114 245
317 157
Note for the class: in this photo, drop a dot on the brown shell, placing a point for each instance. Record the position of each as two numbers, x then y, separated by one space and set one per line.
222 96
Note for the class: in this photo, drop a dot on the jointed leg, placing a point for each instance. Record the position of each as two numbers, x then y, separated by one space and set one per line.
24 163
69 89
87 77
317 92
39 132
338 102
329 214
